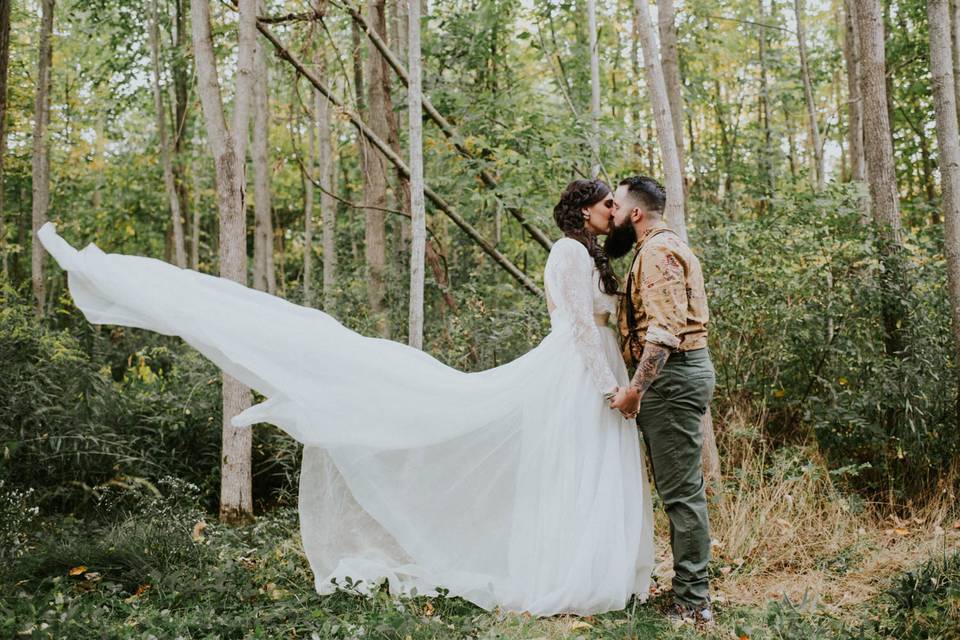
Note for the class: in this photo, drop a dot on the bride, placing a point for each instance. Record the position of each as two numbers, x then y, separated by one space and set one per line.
516 487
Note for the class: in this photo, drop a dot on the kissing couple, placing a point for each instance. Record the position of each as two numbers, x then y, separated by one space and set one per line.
522 487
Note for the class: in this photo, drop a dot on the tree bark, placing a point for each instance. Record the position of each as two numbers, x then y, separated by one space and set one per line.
375 187
955 31
41 152
660 104
417 205
176 218
674 213
769 178
878 150
595 164
814 127
264 275
851 54
307 177
670 59
229 156
328 206
945 104
4 73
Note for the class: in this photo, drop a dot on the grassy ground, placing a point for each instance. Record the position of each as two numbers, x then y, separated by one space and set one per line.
794 557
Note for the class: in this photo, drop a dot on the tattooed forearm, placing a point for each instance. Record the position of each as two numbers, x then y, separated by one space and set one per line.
651 363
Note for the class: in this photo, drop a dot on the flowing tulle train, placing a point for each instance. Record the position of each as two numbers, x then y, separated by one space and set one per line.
513 487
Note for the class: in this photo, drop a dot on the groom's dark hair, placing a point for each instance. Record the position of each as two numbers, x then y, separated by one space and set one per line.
647 192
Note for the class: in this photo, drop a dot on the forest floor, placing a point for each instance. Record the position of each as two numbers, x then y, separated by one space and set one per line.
793 557
168 571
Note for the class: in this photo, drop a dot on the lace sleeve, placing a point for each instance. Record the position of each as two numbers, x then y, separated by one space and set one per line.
570 281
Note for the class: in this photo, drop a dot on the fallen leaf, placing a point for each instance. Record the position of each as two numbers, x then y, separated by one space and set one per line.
142 589
428 609
956 525
726 570
902 532
198 530
77 570
580 624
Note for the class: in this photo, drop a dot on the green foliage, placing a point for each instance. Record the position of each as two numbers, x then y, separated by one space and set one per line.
796 298
926 602
115 408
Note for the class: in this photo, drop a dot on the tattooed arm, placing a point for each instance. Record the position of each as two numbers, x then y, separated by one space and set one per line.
651 364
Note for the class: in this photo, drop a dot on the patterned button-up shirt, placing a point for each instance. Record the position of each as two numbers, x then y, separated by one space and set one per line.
669 300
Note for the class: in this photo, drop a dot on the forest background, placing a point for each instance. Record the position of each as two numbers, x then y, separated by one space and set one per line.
817 180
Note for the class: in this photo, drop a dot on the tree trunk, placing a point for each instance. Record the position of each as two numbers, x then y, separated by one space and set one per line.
418 207
41 152
817 148
955 30
264 275
375 189
176 218
195 235
328 206
229 157
878 151
945 103
671 168
769 179
4 73
660 104
595 164
851 54
670 59
307 177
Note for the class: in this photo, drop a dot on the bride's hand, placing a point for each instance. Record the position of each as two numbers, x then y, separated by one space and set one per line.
627 401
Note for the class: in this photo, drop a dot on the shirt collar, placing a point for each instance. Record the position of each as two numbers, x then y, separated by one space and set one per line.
649 232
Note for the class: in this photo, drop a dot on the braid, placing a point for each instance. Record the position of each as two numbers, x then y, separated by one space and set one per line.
569 217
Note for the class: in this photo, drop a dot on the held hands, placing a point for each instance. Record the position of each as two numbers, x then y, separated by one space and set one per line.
627 401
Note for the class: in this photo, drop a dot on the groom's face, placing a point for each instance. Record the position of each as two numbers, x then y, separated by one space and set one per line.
622 236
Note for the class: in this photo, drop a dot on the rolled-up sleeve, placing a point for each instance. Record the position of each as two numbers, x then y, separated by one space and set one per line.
664 294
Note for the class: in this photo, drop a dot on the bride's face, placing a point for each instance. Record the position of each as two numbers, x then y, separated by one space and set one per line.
599 215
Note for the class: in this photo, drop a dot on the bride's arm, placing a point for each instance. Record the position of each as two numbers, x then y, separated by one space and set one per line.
573 294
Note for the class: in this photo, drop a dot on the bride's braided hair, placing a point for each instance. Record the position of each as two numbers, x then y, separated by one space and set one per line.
569 217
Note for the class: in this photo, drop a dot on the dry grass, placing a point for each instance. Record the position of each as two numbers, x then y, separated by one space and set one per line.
782 526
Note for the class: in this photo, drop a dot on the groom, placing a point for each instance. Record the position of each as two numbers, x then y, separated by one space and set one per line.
663 325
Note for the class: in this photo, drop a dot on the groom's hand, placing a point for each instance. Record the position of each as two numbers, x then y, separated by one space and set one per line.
627 401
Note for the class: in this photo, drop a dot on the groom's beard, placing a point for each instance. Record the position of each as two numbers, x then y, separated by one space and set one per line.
620 240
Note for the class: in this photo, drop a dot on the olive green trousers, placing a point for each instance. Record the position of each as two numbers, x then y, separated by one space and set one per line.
669 419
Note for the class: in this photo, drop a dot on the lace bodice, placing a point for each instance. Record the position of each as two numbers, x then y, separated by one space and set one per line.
574 298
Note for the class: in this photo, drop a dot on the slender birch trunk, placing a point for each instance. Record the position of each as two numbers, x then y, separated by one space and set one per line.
767 163
661 112
41 152
945 104
878 151
674 213
229 156
595 164
180 253
309 171
955 31
264 274
418 206
814 127
375 189
328 206
4 73
670 59
851 54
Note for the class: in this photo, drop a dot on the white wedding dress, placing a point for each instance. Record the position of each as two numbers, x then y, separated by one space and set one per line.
515 487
